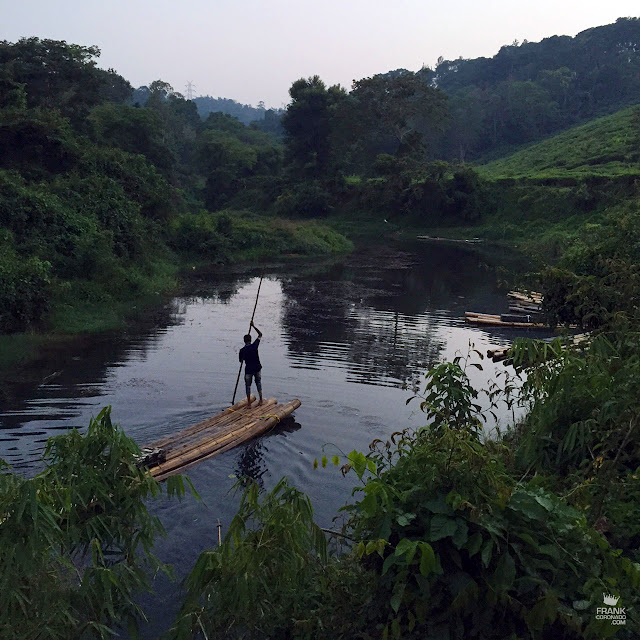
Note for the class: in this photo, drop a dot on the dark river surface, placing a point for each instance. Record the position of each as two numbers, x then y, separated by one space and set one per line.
348 337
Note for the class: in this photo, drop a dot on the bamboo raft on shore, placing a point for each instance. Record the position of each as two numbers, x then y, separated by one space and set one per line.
177 452
498 354
497 321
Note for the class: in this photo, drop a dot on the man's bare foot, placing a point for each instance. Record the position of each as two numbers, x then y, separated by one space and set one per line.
260 402
248 405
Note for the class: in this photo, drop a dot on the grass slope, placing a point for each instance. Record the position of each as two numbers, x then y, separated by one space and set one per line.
607 147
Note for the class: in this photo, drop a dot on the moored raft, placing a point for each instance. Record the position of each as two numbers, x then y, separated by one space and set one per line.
497 321
226 430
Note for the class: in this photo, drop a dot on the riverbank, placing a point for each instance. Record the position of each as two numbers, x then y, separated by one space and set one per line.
80 308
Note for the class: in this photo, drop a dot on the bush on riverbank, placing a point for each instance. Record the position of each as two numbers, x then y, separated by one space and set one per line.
75 541
446 537
231 236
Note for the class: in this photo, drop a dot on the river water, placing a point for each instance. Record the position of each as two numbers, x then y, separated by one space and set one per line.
349 337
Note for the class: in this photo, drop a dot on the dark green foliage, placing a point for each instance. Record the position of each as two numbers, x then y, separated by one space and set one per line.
24 290
75 541
432 194
230 236
585 407
244 113
599 275
37 143
61 76
267 577
389 111
529 90
132 130
234 160
308 199
469 552
309 124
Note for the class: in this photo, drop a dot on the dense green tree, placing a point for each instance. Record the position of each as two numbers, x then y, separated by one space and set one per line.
62 76
133 130
391 109
308 124
534 89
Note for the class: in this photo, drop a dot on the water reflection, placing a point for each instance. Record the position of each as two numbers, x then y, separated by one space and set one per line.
345 336
376 319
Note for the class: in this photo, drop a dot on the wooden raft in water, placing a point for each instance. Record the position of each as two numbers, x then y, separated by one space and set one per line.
217 434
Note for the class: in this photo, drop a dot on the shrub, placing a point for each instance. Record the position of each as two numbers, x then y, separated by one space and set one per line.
306 200
24 290
75 540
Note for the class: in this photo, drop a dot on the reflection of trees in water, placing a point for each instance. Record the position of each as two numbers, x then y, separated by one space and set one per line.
78 368
216 285
250 464
346 317
378 311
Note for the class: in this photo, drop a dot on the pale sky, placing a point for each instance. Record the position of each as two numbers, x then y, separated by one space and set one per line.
252 50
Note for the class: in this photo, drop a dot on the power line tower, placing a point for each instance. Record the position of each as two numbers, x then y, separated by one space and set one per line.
190 90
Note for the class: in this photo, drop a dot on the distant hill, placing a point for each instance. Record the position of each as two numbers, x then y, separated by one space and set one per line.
530 90
607 146
243 112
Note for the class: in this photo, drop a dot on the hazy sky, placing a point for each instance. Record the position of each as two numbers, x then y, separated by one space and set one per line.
252 50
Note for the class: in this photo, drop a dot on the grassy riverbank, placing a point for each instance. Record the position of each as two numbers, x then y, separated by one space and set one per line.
79 307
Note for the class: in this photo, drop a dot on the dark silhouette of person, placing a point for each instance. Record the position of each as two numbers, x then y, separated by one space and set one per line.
252 367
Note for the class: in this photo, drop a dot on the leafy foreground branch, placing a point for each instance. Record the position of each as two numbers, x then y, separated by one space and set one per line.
448 543
75 541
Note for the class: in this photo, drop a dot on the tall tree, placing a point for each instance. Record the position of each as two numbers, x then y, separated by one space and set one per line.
394 110
62 76
308 124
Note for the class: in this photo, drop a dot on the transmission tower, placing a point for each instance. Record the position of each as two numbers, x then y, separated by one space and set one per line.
190 90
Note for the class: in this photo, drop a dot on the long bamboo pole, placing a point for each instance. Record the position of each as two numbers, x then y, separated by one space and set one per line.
235 390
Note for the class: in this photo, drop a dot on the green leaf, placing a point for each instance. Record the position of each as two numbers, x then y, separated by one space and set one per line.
442 527
358 462
405 545
405 518
486 553
389 561
427 559
543 611
324 462
360 549
439 505
315 463
396 597
474 543
368 505
505 572
461 535
335 460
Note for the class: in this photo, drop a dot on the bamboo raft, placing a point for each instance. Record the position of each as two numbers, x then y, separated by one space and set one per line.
233 426
496 321
498 354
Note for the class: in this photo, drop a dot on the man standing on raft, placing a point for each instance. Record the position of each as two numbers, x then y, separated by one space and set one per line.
252 367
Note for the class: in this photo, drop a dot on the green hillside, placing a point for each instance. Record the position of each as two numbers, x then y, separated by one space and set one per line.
608 146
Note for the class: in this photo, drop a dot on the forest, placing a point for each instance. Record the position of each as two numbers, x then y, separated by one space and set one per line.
108 193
